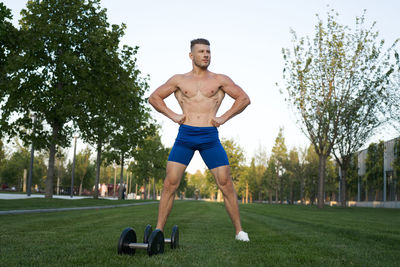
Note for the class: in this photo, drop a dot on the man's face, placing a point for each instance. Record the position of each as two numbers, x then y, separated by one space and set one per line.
201 55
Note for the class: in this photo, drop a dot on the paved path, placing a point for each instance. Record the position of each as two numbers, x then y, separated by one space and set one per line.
76 208
24 196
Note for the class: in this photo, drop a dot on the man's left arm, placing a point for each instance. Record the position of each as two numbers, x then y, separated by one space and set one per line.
242 100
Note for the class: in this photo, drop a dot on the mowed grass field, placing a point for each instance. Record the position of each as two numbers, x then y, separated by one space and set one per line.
281 235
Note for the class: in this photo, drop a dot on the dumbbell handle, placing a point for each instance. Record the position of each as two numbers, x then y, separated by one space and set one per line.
138 245
167 240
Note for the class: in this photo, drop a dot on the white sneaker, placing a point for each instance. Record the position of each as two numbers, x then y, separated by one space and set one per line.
242 236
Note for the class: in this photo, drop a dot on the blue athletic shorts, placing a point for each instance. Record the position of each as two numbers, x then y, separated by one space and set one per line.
203 139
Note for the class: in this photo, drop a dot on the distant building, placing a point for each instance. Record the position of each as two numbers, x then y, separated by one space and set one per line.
390 188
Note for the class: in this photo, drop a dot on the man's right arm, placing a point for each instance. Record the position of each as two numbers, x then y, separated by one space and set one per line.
156 99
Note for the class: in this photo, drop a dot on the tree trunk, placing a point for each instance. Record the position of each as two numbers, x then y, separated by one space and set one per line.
154 189
302 190
291 193
127 184
144 191
98 164
321 185
50 170
343 187
247 193
281 189
115 182
121 179
220 197
269 196
80 187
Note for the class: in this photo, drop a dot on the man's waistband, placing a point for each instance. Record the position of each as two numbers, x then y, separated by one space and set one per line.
187 129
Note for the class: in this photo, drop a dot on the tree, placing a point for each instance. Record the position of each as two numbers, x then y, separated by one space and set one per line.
294 172
280 158
235 155
197 185
103 89
261 161
335 81
311 174
63 177
131 114
9 43
373 178
302 164
47 74
366 70
150 161
182 185
332 179
13 170
236 159
392 107
106 90
396 163
352 177
272 179
116 118
84 170
250 174
212 185
2 156
253 183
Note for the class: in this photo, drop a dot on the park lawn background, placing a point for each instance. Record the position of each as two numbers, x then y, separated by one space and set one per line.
281 235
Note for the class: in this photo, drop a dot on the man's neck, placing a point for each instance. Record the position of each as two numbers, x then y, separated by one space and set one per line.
199 71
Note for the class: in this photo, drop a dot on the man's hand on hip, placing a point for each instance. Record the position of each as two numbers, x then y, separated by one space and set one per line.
217 121
179 118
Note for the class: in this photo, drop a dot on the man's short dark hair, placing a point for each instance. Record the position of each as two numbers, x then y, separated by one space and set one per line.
198 41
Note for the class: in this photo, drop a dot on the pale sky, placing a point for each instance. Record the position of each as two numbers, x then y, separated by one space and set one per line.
246 37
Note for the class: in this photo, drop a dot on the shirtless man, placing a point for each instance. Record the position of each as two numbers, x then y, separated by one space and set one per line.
199 93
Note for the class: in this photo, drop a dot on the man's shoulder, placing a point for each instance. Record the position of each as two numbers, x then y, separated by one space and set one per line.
177 76
222 78
176 79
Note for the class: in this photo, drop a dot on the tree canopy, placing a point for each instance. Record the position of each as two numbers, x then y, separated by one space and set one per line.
70 73
335 83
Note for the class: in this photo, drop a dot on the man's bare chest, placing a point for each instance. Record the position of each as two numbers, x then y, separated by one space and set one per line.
194 88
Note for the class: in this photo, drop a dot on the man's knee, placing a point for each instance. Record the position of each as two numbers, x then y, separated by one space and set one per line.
224 180
226 185
173 177
171 184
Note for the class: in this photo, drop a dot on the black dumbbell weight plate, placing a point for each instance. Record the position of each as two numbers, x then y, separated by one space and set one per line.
175 237
147 233
128 236
156 243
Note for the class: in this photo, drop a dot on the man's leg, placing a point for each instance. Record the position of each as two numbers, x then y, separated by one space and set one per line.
223 178
175 171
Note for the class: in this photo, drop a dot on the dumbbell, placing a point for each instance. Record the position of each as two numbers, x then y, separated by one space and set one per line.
147 232
174 240
127 242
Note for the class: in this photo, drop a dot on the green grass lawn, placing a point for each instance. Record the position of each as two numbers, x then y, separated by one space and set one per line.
280 235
